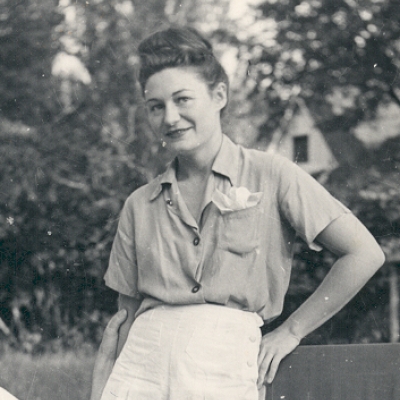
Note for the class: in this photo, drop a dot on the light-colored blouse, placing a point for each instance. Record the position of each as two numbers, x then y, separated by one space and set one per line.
240 254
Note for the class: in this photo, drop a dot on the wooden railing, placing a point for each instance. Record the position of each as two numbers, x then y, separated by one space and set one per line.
339 372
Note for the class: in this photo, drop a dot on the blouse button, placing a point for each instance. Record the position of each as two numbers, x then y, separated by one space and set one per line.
195 289
196 241
169 202
250 364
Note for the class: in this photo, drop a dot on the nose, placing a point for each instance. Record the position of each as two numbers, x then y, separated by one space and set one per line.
171 116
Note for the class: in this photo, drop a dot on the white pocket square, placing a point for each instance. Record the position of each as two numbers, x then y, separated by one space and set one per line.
238 198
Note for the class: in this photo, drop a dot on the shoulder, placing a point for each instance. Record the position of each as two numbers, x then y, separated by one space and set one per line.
267 165
143 194
281 169
263 158
142 191
276 173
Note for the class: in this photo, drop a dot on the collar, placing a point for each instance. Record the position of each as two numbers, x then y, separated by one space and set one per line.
166 178
226 163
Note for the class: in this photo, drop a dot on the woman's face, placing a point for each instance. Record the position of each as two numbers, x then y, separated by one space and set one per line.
182 110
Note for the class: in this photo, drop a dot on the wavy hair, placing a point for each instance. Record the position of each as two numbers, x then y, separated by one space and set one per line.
180 47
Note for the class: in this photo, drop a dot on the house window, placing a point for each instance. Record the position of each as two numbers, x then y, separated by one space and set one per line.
300 147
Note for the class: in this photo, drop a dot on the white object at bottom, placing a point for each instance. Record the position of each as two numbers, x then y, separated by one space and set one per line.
194 352
4 395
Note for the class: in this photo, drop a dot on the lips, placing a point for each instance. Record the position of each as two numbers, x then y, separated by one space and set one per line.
176 133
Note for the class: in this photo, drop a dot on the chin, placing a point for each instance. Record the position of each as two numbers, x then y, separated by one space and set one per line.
180 148
180 142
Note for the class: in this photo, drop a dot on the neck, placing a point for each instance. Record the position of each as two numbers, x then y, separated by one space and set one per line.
198 163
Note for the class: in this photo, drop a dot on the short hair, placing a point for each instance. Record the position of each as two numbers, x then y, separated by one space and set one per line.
180 47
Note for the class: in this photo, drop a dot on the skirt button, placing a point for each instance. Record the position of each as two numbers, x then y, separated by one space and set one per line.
195 289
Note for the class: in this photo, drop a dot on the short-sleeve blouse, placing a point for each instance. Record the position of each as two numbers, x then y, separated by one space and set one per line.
240 254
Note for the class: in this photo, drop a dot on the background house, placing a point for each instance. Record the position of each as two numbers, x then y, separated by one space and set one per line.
318 148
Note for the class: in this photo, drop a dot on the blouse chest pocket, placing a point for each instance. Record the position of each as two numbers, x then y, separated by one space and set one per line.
238 230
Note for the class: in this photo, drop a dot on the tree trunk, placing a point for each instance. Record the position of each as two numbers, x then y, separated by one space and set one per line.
394 304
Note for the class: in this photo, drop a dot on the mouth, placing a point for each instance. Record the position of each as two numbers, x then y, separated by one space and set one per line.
175 133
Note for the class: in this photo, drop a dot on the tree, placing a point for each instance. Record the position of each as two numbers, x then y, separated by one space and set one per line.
342 57
63 183
374 195
27 44
74 141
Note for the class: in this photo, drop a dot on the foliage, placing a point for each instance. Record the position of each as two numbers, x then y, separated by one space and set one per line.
64 182
342 57
373 194
75 143
27 45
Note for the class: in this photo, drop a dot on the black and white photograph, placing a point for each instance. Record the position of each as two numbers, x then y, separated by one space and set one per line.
199 200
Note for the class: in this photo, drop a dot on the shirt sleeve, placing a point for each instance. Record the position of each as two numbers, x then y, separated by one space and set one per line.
306 204
122 271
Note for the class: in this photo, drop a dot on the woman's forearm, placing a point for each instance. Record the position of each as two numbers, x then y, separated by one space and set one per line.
346 277
106 355
359 257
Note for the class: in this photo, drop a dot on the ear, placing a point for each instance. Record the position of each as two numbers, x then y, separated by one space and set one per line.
220 95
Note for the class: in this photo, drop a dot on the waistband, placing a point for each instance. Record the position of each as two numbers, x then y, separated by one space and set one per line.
204 312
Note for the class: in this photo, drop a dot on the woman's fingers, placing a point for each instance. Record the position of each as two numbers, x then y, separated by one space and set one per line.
264 360
109 342
116 321
268 365
273 369
275 346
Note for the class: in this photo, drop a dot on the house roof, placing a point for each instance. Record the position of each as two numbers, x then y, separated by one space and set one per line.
345 147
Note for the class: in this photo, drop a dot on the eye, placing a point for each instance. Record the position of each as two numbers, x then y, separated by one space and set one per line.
155 108
182 100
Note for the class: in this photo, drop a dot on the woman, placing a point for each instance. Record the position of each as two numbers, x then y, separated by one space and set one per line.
202 255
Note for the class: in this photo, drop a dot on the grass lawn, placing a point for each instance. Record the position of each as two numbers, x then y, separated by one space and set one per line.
62 376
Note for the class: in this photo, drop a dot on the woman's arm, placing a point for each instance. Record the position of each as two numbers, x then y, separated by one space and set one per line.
359 257
131 305
114 338
106 355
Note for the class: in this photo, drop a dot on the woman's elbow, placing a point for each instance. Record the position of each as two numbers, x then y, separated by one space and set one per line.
380 257
375 256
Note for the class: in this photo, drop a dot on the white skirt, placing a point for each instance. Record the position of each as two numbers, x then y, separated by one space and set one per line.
193 352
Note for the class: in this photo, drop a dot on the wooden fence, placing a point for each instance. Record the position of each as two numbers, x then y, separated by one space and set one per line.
339 372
